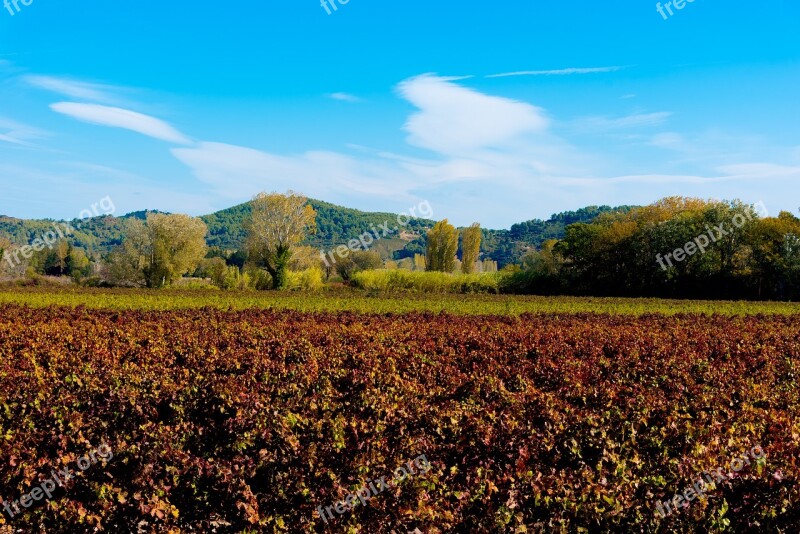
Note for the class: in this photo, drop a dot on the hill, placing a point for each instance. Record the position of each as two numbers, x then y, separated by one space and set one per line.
335 226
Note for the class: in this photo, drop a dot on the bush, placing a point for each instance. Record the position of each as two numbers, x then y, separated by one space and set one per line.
358 261
95 281
306 280
427 282
233 278
256 278
194 283
529 282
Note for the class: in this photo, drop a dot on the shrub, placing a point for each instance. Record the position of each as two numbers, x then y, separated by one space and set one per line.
194 283
360 260
426 282
306 280
256 278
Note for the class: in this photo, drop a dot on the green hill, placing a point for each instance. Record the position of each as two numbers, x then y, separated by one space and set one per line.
336 225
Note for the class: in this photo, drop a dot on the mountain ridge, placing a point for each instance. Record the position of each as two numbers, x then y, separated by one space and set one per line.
336 225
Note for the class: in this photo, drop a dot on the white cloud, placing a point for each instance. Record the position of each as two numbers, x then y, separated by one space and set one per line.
19 134
344 97
476 139
121 118
761 171
456 120
484 150
756 173
239 172
65 188
668 140
620 123
558 72
74 89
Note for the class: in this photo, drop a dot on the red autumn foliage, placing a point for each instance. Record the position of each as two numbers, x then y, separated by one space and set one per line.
247 421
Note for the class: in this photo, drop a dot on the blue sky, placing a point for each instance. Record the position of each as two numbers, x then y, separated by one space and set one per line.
495 113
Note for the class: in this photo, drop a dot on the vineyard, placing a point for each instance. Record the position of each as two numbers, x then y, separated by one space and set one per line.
375 302
248 421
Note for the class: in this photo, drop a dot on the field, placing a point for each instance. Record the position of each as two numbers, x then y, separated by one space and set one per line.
231 413
376 302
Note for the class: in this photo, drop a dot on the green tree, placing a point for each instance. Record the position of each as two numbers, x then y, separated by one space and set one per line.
360 260
78 264
159 250
775 260
470 247
277 224
5 245
216 269
62 252
177 246
677 247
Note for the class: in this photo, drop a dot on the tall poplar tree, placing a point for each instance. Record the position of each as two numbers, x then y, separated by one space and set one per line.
442 247
470 248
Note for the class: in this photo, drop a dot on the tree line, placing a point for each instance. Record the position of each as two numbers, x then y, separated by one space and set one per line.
163 248
677 248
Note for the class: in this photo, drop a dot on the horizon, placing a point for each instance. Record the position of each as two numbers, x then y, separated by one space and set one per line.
376 108
434 218
112 213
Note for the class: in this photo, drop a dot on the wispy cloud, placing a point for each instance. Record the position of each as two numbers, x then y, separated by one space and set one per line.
747 172
620 123
19 134
473 138
64 188
667 140
8 69
121 118
482 150
453 119
237 172
558 72
79 90
344 97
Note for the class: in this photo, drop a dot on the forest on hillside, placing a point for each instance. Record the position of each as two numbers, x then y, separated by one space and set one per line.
677 247
336 225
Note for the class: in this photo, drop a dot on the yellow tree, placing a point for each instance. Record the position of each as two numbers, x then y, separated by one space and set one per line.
174 245
5 248
470 247
419 262
442 247
277 224
62 254
158 251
